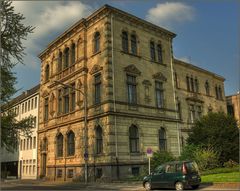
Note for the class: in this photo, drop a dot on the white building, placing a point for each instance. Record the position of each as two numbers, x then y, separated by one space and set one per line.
28 106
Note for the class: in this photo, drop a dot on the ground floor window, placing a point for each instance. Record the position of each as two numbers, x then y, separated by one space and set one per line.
135 171
99 173
70 173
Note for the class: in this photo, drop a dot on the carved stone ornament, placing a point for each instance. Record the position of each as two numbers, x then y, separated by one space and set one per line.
160 76
132 69
146 82
45 93
96 68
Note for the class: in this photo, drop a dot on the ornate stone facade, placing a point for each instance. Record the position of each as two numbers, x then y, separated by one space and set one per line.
124 66
233 106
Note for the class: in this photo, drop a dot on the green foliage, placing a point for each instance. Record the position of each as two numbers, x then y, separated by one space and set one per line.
188 152
206 158
161 157
230 164
11 129
219 132
13 32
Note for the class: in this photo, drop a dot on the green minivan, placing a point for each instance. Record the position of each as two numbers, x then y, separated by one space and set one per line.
178 174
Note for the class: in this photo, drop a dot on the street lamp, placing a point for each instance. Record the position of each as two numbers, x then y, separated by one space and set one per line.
85 126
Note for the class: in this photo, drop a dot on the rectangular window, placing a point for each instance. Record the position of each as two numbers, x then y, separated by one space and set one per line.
33 169
192 114
97 84
159 94
59 173
27 143
152 51
22 107
73 97
188 83
30 143
21 145
59 101
135 171
36 102
30 169
46 109
32 103
159 52
99 173
70 173
199 112
65 100
132 90
25 106
34 142
24 144
29 105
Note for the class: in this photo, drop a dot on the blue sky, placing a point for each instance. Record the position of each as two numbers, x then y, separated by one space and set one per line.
207 31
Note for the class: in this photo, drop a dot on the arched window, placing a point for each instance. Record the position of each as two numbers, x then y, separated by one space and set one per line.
73 53
162 140
47 72
99 140
134 44
207 88
59 145
96 42
152 51
159 53
134 139
60 62
66 58
125 41
70 144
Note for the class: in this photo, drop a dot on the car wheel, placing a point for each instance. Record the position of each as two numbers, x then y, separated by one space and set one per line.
179 186
195 186
148 186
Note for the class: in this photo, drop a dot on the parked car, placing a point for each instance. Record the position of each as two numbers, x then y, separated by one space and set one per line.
178 174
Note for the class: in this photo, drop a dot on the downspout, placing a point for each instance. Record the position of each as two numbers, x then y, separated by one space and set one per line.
114 100
174 98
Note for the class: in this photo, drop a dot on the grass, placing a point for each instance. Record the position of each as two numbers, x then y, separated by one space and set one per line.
221 170
222 177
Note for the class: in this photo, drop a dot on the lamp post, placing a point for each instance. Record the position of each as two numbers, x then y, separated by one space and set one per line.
85 126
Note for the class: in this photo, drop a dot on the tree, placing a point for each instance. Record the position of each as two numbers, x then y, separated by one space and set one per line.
13 32
218 131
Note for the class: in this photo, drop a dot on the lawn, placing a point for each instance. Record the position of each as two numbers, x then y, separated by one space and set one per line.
222 177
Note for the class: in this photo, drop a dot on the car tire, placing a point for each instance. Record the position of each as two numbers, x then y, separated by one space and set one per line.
179 186
147 186
195 187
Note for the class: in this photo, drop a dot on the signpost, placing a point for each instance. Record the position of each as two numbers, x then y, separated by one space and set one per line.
149 155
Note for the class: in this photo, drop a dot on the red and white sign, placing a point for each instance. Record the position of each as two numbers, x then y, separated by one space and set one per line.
149 152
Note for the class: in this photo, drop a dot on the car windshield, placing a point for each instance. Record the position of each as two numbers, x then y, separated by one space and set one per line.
191 167
159 169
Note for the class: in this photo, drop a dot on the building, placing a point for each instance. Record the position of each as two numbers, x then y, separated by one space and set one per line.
23 162
198 92
122 69
233 106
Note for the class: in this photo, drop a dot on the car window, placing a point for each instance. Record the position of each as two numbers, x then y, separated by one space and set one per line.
159 169
191 167
170 168
179 167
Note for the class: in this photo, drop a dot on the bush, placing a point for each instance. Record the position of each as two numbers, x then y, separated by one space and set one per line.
230 164
206 158
188 152
161 157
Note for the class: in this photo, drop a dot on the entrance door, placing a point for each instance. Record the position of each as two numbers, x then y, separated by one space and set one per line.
44 164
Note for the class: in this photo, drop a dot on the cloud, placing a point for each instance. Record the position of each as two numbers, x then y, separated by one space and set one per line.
169 14
50 18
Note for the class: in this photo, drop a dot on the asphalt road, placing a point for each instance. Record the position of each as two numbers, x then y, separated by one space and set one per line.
51 186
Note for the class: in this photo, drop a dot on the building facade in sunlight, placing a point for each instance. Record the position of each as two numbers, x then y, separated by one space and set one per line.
122 69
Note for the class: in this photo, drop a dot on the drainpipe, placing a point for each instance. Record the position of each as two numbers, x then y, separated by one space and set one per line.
174 98
114 101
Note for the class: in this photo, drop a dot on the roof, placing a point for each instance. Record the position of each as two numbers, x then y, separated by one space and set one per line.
21 97
177 61
85 20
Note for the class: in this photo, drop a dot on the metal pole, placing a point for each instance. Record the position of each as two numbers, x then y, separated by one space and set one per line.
149 165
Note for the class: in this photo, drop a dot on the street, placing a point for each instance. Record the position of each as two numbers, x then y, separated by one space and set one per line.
123 186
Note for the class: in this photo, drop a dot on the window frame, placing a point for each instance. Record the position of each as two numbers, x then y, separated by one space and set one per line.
70 143
59 144
99 140
159 90
134 139
132 89
125 42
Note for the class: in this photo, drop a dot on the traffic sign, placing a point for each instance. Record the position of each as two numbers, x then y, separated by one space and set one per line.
149 152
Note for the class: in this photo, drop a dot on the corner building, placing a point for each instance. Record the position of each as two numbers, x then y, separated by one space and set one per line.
124 66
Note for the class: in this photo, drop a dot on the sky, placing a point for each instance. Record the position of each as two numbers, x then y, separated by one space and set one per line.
208 32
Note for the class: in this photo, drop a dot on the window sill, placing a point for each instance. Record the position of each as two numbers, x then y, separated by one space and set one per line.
70 157
160 63
131 54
